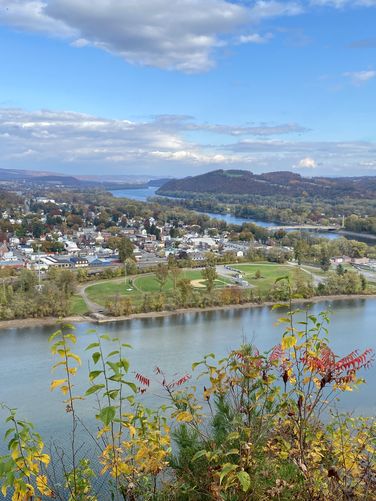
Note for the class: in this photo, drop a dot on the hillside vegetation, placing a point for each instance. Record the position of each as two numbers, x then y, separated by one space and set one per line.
272 183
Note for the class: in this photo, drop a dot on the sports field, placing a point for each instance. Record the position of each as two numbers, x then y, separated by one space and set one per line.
136 288
262 276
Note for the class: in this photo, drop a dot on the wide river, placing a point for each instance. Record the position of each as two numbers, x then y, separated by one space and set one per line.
172 343
142 194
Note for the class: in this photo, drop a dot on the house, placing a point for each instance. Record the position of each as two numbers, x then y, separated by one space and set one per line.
71 247
14 263
341 260
57 262
79 262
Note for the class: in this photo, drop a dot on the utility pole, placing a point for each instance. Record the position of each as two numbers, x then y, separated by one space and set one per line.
39 286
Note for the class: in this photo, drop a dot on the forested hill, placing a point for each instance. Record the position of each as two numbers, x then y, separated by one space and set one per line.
289 184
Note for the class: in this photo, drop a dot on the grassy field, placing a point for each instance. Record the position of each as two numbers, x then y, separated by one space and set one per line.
101 293
269 274
78 306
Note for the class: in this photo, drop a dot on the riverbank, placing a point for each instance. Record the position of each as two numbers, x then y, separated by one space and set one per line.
348 233
42 322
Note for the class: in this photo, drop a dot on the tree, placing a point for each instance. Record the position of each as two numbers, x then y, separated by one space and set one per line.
324 260
130 267
210 275
185 290
27 280
125 249
66 282
340 270
161 276
175 272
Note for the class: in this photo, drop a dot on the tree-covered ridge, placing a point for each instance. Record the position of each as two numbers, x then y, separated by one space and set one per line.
273 183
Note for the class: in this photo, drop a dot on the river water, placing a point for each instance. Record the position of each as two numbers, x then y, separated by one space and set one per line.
172 343
143 194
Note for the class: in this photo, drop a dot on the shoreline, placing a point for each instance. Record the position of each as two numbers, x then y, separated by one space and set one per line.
23 323
349 233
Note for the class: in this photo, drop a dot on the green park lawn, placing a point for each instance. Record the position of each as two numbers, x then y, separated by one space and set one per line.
269 274
142 284
78 306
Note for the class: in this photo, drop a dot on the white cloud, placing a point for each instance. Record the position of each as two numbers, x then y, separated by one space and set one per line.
80 143
182 35
360 77
338 4
30 15
307 163
255 38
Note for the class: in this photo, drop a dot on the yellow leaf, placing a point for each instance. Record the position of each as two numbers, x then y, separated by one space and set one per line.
42 485
185 417
132 430
44 458
288 342
75 357
56 383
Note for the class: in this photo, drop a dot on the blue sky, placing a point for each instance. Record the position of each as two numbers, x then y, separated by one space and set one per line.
176 88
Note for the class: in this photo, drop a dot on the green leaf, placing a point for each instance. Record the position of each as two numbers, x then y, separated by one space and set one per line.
114 366
94 389
94 374
54 336
245 480
96 356
199 455
113 394
125 364
91 346
131 385
116 352
227 468
107 415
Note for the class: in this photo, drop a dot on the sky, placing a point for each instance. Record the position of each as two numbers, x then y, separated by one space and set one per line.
181 87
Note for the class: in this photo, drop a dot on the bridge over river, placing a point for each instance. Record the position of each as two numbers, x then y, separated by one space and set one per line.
308 227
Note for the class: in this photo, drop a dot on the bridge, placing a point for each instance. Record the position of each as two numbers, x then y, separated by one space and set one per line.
308 227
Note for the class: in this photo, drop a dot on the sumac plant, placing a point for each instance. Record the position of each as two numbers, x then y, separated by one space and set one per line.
250 426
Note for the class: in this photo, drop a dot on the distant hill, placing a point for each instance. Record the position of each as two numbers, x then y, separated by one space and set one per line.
158 182
42 178
105 182
289 184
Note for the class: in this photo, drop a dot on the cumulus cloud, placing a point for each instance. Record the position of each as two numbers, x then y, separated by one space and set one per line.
182 35
165 145
330 157
66 139
31 15
360 77
307 163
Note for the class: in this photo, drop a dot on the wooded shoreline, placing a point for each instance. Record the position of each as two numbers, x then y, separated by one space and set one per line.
24 323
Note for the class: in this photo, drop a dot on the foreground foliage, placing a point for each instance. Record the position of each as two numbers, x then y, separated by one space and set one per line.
253 427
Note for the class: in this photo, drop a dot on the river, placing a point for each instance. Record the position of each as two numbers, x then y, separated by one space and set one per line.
142 194
172 343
